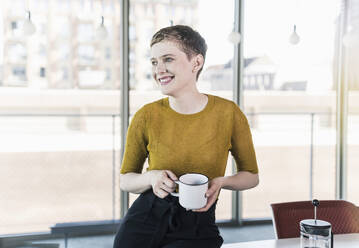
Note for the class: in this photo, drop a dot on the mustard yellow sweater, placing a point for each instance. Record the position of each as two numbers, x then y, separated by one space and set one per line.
185 143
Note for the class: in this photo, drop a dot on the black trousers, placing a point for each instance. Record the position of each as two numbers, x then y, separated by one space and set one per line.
152 222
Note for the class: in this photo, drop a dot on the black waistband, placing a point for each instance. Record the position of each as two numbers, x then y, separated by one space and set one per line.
170 208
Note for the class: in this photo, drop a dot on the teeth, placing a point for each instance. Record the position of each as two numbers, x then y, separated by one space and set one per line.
165 80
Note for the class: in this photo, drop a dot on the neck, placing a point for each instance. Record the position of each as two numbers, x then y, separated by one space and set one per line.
189 103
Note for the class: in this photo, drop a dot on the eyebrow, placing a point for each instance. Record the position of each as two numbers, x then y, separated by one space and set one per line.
165 55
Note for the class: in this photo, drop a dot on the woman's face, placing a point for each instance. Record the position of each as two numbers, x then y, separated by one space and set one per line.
171 68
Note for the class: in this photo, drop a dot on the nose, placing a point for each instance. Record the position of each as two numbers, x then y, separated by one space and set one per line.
160 68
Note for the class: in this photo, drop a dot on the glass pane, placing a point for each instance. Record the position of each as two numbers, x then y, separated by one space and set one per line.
57 169
289 92
65 44
59 105
148 17
352 79
353 158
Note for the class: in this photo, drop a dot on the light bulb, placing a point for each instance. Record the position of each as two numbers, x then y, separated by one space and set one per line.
101 31
294 37
234 37
29 28
351 39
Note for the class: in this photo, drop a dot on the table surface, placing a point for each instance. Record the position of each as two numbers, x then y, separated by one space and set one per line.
340 241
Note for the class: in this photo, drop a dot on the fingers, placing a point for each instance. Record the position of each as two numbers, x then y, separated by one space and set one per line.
211 194
163 183
171 175
209 204
169 183
211 199
161 190
168 186
212 190
160 193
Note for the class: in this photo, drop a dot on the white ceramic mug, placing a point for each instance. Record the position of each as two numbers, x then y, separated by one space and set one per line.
192 190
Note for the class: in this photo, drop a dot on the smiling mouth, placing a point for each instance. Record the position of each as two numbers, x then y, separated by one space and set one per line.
166 80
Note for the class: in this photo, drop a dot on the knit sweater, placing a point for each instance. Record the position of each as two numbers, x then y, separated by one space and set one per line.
189 143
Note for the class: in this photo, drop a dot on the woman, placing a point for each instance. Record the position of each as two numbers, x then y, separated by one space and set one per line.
186 132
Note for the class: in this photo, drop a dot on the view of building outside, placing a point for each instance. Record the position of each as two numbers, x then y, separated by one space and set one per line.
65 51
60 101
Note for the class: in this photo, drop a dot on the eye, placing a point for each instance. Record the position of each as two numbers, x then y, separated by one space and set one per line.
168 59
154 63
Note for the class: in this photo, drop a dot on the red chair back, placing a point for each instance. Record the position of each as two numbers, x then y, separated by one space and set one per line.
343 215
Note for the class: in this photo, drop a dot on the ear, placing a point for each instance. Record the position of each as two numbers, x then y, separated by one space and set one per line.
198 62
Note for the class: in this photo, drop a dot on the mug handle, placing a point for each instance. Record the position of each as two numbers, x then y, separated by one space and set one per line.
175 194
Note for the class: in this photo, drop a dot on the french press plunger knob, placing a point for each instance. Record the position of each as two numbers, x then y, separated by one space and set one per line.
315 203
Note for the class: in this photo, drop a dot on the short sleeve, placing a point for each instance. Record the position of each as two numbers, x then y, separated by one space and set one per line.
242 147
136 143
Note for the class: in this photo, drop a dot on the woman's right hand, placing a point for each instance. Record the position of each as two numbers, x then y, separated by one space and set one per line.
162 182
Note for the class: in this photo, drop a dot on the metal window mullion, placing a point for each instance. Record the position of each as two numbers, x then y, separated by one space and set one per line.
342 109
311 152
237 95
113 127
124 55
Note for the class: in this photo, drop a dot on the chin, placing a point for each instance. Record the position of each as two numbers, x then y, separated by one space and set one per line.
166 92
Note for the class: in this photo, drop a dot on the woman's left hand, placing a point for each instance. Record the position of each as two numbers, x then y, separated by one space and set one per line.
215 186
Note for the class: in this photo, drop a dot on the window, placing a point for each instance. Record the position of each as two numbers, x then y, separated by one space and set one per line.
351 76
60 128
293 114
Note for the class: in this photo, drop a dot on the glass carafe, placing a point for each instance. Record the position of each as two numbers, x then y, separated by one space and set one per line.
315 234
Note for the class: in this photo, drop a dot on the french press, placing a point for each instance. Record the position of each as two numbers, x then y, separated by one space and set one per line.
315 233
